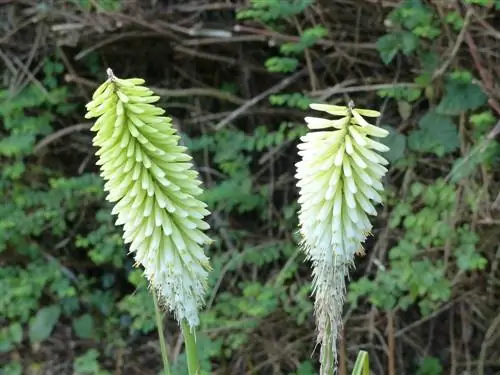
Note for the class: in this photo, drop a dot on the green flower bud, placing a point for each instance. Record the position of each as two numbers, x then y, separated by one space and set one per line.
150 180
339 181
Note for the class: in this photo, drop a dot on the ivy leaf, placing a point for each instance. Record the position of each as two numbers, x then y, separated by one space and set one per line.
460 97
396 142
42 324
388 47
84 326
408 42
437 134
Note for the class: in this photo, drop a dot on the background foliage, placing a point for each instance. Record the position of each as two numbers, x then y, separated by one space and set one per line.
237 79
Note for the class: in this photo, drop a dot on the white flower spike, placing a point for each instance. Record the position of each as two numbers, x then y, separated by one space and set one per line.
339 181
150 180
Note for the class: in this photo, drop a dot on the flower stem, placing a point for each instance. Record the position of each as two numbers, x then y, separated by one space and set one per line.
163 346
191 350
362 365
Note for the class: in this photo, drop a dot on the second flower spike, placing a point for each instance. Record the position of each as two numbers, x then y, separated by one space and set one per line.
150 180
339 181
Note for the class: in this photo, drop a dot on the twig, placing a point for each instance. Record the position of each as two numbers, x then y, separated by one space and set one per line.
173 93
8 62
22 25
492 335
82 81
486 81
456 46
30 77
61 133
281 85
491 30
453 354
307 54
233 39
31 56
63 268
435 313
391 343
295 39
200 7
341 89
115 38
485 76
214 57
199 91
495 131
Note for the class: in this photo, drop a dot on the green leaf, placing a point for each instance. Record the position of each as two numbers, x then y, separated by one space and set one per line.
408 42
42 324
362 365
430 366
305 368
295 100
282 64
405 109
12 334
461 97
429 60
16 332
388 47
437 134
84 326
12 368
267 11
312 35
466 165
408 94
396 142
88 364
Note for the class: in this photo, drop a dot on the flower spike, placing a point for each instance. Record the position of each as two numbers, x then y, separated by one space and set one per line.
339 181
150 180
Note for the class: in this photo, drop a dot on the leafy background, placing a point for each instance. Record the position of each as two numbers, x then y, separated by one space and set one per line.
237 78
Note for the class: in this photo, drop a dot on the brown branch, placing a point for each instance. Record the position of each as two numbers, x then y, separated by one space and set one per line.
61 133
486 81
290 38
252 102
456 46
391 344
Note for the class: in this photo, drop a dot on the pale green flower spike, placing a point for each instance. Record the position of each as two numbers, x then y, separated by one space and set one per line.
339 179
150 180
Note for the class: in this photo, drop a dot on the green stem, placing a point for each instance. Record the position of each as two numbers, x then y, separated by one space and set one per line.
362 365
329 352
191 350
163 346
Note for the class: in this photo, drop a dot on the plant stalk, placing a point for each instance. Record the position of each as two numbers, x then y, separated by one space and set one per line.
191 350
362 365
163 346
